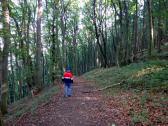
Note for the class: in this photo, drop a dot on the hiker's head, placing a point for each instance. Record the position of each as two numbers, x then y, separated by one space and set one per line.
68 68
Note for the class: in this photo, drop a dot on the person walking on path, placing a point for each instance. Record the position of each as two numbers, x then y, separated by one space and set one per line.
68 80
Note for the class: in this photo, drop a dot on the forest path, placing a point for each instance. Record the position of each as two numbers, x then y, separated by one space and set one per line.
82 109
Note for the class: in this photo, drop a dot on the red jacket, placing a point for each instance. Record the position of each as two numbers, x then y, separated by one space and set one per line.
68 77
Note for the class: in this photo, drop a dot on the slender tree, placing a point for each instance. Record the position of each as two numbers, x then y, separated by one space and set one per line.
4 56
136 29
98 34
39 55
160 32
151 39
63 31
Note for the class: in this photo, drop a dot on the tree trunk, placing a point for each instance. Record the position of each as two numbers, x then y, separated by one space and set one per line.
144 36
121 33
126 33
75 29
4 63
159 29
12 98
39 65
151 41
136 30
115 44
53 68
1 121
63 31
97 32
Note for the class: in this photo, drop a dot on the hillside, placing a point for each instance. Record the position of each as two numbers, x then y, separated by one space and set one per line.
140 76
142 92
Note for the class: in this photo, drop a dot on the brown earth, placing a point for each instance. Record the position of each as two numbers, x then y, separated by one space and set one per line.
88 107
82 109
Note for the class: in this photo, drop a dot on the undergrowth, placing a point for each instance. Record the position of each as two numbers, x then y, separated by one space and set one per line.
143 75
30 104
146 86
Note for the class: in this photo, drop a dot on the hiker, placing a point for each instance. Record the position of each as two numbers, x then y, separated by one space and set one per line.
68 80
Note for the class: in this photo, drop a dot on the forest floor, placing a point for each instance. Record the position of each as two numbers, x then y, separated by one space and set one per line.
82 109
141 99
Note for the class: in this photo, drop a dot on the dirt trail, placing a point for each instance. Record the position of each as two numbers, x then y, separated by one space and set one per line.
82 109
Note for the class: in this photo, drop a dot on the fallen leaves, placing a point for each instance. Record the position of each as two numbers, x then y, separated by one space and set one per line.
140 110
85 109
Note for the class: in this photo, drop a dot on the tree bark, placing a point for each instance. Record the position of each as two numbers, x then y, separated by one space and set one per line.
1 120
115 44
39 63
121 33
126 33
63 31
75 29
97 32
53 48
136 29
160 32
151 40
4 63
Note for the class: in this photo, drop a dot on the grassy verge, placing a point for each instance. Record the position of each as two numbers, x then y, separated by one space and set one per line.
30 104
145 75
143 92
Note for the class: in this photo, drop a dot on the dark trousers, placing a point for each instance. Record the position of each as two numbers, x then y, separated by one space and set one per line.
68 89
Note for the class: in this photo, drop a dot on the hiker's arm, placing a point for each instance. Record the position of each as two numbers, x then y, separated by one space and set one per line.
62 79
72 80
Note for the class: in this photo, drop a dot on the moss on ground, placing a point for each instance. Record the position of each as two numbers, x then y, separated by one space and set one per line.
143 75
30 104
146 86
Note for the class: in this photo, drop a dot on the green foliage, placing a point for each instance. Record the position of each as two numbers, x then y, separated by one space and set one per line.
143 75
27 105
139 118
147 80
44 97
72 22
